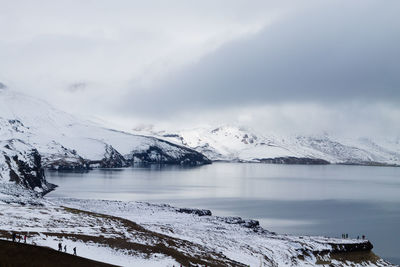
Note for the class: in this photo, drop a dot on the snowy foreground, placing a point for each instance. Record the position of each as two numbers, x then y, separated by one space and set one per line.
143 234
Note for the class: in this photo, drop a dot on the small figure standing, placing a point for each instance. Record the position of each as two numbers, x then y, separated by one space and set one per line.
75 251
25 239
59 246
19 238
65 248
14 236
363 237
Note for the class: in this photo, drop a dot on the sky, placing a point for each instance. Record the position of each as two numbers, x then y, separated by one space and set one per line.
281 66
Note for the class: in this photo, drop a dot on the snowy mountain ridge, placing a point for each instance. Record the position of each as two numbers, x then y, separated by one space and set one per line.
62 141
231 143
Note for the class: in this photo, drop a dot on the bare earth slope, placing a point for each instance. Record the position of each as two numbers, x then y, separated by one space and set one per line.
14 254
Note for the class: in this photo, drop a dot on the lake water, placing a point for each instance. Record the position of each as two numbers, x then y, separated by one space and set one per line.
295 199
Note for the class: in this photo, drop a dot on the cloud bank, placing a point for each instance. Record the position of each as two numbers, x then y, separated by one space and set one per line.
300 66
329 52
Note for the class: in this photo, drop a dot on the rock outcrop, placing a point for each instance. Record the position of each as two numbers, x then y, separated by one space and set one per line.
294 160
21 164
112 159
163 154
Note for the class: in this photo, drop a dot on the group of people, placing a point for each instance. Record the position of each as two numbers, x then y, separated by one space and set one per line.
15 237
60 247
345 236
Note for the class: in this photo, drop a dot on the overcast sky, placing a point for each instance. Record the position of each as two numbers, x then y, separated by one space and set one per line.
297 66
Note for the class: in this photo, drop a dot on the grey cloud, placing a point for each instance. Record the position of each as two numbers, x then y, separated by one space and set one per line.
76 87
341 51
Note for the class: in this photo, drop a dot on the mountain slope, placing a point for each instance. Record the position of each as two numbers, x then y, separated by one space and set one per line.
240 144
66 142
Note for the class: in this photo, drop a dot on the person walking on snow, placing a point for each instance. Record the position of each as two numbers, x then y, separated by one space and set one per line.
59 246
65 248
75 251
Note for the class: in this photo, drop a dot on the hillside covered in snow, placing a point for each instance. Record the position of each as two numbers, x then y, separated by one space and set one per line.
231 143
34 135
144 234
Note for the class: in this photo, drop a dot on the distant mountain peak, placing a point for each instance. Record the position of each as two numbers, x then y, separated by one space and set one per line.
238 143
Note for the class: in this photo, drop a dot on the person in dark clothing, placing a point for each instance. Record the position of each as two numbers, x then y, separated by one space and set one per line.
75 251
14 236
25 239
59 246
65 248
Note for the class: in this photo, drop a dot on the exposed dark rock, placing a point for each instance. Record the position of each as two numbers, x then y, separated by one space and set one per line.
198 212
248 223
29 172
293 160
369 163
172 135
361 252
112 159
155 154
216 130
166 153
362 246
66 165
65 160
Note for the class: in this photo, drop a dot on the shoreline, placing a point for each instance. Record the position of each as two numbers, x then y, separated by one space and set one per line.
132 230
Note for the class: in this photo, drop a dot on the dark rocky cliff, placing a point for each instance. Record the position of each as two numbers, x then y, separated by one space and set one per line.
24 167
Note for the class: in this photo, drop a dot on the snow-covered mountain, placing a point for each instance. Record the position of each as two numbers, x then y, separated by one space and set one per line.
240 144
29 126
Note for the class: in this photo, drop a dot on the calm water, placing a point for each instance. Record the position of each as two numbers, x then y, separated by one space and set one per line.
312 200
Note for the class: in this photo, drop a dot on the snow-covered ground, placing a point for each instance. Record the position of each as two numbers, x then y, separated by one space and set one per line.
42 223
241 144
143 234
